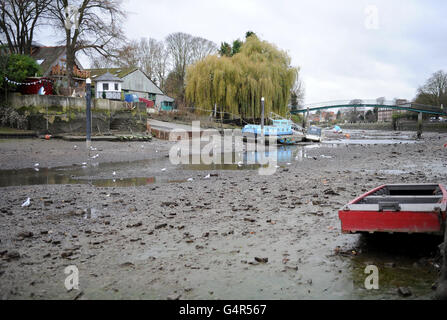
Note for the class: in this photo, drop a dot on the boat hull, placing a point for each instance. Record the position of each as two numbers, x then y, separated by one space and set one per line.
396 213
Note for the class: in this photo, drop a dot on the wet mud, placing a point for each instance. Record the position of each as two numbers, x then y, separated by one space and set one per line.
138 227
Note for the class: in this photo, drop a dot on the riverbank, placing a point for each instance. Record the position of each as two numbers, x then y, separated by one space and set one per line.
402 126
209 232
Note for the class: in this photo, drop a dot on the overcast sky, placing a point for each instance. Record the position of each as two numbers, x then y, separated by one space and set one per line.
346 49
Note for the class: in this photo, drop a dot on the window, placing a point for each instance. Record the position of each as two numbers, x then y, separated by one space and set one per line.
105 87
116 87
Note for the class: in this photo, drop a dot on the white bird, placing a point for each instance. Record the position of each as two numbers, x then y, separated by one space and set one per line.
114 173
36 169
75 147
208 176
164 169
36 164
95 156
190 179
26 203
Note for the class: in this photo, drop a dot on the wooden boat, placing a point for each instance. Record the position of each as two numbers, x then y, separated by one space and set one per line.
418 208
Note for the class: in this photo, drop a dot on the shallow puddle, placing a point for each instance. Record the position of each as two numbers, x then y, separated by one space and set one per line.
141 173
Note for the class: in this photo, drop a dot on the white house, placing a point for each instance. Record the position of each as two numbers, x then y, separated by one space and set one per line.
108 86
135 81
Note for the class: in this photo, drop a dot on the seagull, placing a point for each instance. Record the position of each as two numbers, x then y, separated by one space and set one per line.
95 156
36 164
26 203
114 173
36 169
75 147
190 179
84 163
208 176
164 169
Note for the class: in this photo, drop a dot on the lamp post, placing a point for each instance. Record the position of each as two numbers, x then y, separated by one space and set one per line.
262 115
88 96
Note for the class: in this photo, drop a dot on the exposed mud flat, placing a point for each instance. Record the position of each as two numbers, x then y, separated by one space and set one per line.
232 235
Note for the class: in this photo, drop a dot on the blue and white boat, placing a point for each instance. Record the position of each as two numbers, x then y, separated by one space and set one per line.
279 128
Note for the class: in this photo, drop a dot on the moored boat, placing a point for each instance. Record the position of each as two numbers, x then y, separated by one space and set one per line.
414 208
314 134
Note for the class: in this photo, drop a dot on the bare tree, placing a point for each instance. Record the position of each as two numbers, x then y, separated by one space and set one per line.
96 27
434 91
201 48
297 93
154 59
147 54
19 19
161 64
185 50
180 47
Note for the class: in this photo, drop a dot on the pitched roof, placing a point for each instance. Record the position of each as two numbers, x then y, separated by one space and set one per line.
149 86
46 56
119 72
108 77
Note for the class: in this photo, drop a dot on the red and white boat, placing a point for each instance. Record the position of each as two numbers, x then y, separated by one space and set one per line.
416 208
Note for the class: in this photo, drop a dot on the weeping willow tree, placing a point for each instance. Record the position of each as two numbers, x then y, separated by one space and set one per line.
236 84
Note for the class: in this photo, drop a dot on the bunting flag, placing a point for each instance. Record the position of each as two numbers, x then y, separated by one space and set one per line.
27 83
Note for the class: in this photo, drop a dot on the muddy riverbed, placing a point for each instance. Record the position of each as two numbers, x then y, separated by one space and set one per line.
138 227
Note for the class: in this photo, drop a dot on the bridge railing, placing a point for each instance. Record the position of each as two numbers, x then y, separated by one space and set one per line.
393 104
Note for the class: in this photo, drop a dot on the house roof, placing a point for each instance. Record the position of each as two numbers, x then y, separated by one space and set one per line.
46 56
118 72
148 86
108 77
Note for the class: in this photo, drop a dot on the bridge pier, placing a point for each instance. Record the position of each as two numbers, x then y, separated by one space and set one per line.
419 133
305 118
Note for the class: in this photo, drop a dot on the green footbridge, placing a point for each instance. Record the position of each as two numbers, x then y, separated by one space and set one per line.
408 106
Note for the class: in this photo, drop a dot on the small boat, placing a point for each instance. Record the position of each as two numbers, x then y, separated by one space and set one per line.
313 134
290 140
413 208
279 128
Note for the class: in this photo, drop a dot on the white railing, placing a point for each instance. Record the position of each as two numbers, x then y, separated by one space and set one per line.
111 95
